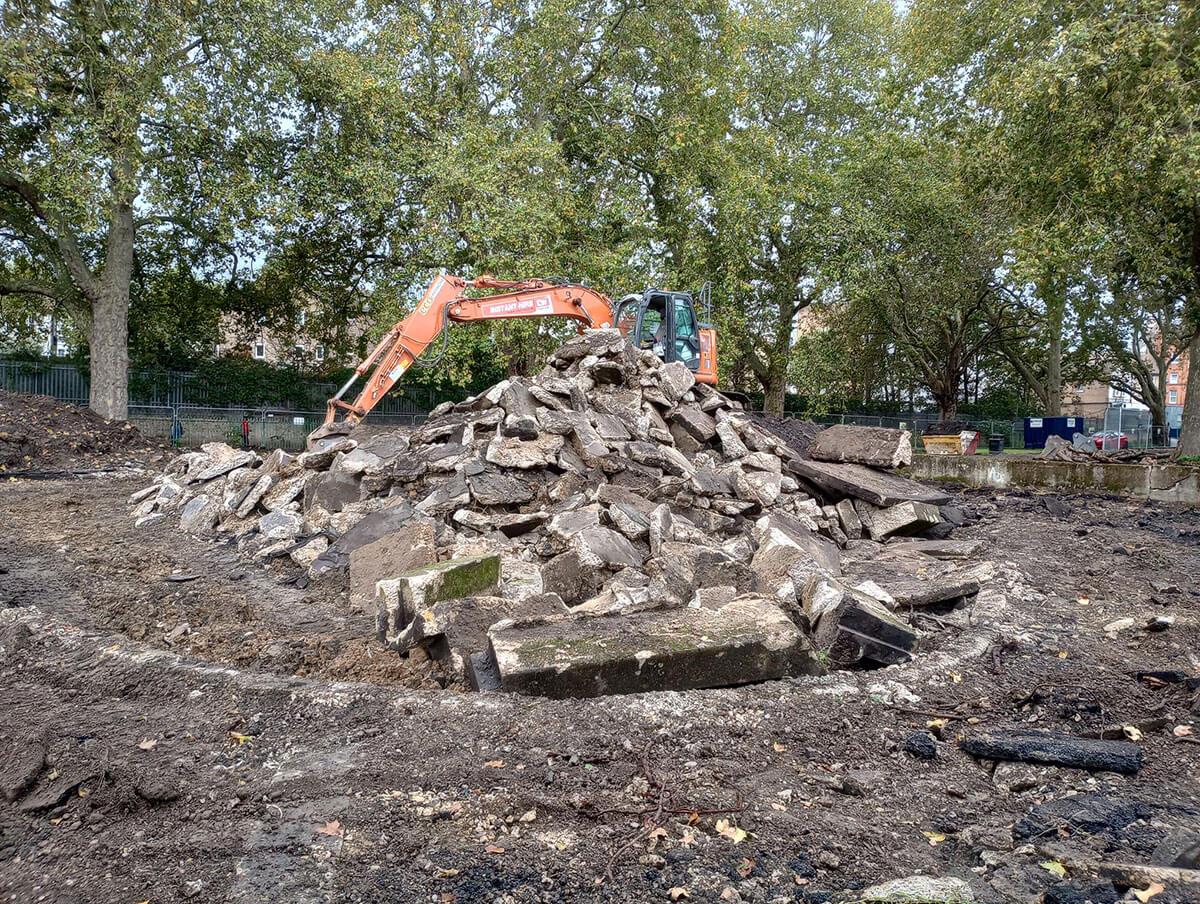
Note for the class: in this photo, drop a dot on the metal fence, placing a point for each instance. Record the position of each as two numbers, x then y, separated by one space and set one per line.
70 383
1139 433
269 428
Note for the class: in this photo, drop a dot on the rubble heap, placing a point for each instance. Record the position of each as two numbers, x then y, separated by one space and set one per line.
607 525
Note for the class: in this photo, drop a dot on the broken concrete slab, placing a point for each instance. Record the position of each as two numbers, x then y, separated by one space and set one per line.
849 626
280 525
399 599
199 514
901 519
840 479
878 447
852 524
511 452
747 640
332 491
783 544
368 530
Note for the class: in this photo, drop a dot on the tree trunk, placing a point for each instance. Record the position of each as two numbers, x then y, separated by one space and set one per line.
108 335
948 408
108 340
774 389
1054 296
1189 434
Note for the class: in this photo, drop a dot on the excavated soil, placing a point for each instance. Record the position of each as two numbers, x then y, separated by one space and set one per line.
269 752
41 436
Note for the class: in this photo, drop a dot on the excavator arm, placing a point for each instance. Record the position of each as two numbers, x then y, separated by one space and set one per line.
442 303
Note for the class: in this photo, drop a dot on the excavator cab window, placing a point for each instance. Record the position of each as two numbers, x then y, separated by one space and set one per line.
627 316
652 330
686 334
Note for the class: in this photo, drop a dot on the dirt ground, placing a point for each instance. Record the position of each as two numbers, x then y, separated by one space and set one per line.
181 724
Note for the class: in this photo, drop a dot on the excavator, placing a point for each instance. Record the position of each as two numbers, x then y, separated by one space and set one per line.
663 322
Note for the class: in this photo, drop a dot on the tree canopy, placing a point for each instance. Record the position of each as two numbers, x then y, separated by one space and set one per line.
892 207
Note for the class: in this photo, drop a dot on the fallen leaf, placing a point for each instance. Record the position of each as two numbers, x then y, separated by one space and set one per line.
730 831
1132 732
937 724
494 849
447 873
935 838
688 838
494 764
779 748
148 744
654 837
1054 867
678 892
1146 894
746 867
956 677
240 738
84 792
1181 731
1062 654
1083 600
333 827
528 816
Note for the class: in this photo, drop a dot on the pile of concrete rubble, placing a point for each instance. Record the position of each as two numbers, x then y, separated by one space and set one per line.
606 526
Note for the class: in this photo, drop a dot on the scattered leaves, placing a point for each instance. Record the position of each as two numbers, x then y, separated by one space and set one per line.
1054 867
730 831
1146 894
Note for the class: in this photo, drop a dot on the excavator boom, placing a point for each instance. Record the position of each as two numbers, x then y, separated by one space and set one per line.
443 302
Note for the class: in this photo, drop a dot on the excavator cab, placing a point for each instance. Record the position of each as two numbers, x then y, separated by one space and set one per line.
666 323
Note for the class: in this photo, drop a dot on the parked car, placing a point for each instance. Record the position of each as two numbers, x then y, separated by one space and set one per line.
1109 438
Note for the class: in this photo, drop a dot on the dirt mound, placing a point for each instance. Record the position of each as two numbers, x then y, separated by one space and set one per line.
38 434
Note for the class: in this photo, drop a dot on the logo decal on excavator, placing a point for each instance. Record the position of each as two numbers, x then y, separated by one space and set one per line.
537 305
430 295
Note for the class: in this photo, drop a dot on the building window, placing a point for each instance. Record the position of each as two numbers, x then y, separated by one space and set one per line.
1173 377
60 349
303 317
260 350
298 348
319 351
1173 397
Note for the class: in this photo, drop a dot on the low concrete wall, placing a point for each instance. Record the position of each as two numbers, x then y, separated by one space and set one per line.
1162 483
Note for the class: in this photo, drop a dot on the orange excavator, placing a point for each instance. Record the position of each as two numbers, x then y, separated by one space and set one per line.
663 322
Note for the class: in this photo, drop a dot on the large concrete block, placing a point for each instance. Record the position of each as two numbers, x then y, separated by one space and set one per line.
399 599
749 639
879 447
902 519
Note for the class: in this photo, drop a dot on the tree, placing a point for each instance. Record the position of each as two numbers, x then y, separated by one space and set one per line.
128 117
1095 107
922 264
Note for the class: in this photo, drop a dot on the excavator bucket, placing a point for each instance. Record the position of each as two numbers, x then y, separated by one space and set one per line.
328 429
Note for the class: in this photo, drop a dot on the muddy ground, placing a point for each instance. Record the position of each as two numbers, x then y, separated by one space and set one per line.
269 751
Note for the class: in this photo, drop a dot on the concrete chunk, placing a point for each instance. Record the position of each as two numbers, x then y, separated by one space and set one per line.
879 447
849 626
840 479
399 599
902 519
747 640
